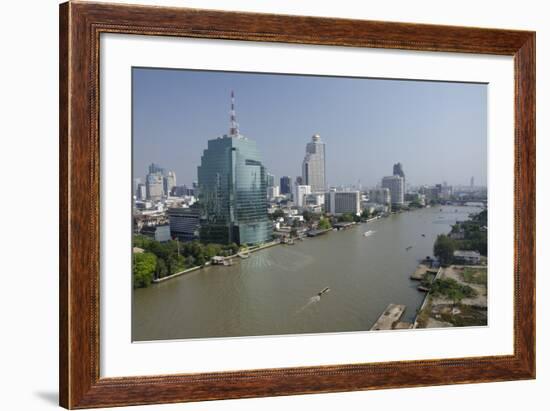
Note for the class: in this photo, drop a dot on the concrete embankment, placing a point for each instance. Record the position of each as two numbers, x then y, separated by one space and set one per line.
390 318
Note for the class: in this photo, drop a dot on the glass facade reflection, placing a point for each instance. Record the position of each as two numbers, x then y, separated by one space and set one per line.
233 192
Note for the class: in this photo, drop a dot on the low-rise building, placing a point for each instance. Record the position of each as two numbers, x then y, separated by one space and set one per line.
160 233
184 223
467 257
343 202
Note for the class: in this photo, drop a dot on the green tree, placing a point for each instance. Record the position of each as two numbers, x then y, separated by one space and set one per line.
346 218
452 289
444 248
144 267
365 214
324 224
234 248
161 269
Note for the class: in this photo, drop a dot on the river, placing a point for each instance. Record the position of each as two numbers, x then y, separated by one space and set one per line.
273 291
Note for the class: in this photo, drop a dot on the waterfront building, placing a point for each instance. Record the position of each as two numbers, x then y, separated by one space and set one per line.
233 190
416 198
184 223
445 192
467 257
380 196
397 189
398 171
286 185
343 202
313 166
300 193
431 193
154 185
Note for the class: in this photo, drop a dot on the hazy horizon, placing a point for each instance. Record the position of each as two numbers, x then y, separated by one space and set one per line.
437 130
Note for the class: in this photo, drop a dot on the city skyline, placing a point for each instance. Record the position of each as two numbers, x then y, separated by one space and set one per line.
182 117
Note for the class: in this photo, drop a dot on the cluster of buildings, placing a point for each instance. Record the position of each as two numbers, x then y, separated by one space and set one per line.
235 197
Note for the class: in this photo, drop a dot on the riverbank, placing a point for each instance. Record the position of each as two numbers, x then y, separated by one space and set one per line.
446 308
274 292
209 263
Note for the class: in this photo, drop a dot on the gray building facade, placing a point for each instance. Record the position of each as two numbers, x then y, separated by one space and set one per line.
313 166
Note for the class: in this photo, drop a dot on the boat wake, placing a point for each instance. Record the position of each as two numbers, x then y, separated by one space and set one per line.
369 233
314 299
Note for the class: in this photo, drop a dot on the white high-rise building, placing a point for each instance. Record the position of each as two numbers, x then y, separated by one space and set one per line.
397 189
300 194
313 166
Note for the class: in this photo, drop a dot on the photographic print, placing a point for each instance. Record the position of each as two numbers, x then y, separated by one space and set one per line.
277 204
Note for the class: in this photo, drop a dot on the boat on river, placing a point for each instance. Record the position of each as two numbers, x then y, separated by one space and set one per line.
323 291
368 233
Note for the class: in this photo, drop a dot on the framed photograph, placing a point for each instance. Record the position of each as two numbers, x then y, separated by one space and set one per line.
258 205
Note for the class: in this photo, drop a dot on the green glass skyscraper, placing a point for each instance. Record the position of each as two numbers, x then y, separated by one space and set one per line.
233 190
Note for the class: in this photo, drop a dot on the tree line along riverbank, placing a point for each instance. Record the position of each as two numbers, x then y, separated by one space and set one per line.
155 260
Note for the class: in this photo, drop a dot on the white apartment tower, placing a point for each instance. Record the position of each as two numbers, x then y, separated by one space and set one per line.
300 194
397 188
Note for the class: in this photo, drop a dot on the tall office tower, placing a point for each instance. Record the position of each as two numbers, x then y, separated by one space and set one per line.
397 189
299 181
270 180
286 185
398 171
169 182
233 190
313 166
472 182
300 194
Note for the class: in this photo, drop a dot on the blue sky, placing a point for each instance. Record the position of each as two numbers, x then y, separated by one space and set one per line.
437 130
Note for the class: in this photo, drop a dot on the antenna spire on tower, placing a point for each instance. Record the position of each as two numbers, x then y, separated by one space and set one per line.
234 129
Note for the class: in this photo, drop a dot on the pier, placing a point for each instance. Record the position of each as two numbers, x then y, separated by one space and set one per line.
390 318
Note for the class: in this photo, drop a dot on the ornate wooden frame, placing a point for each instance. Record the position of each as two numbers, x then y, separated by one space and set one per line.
80 27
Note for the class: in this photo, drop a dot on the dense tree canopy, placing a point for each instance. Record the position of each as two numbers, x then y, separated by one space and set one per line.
145 265
444 248
173 256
